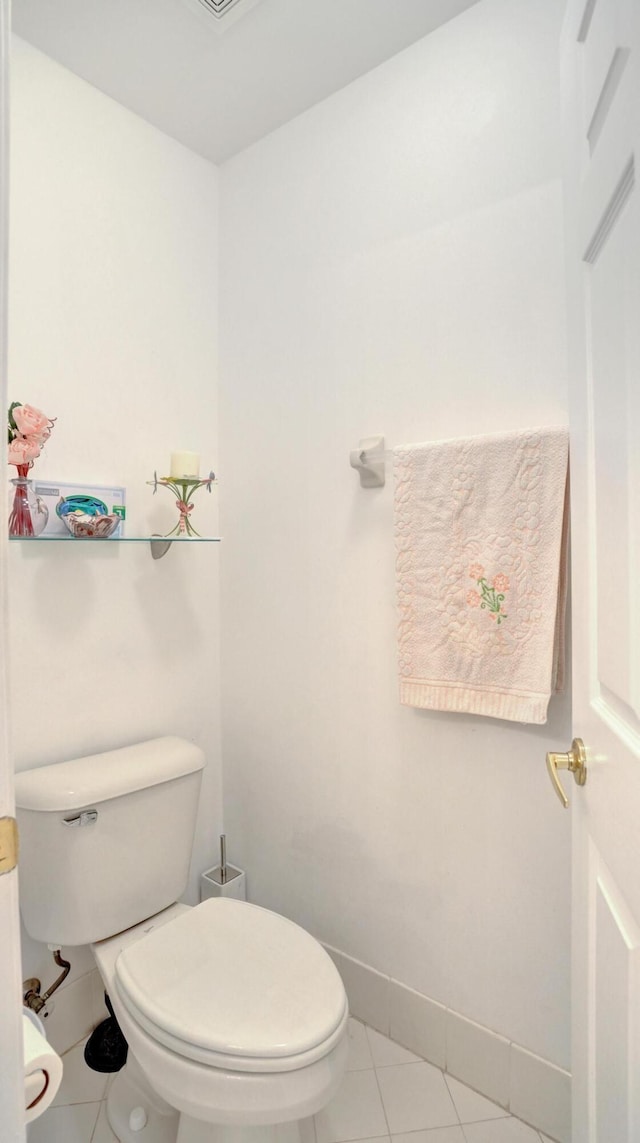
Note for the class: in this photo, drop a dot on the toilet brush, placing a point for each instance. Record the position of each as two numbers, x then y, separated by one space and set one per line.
106 1049
223 880
223 858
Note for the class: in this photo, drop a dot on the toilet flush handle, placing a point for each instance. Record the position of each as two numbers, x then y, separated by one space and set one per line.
86 817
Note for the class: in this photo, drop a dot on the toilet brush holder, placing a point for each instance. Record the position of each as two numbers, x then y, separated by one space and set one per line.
223 880
234 884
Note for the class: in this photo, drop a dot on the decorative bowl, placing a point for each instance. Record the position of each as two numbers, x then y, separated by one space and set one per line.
86 517
84 527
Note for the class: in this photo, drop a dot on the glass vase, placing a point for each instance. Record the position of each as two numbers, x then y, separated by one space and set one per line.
28 514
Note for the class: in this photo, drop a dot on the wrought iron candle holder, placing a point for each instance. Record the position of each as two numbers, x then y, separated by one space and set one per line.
183 489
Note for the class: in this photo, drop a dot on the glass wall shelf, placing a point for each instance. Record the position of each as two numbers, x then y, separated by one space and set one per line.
159 544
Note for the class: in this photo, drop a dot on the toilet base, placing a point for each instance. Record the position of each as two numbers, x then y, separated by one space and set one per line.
196 1131
136 1113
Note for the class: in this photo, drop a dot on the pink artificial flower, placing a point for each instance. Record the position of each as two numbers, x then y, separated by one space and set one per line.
476 571
32 422
473 599
501 582
23 450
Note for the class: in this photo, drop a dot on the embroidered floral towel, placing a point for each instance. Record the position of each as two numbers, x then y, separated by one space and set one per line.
481 572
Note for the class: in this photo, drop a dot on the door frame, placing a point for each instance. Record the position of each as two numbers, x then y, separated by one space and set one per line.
11 1047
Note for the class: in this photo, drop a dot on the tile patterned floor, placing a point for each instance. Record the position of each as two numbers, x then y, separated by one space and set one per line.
388 1096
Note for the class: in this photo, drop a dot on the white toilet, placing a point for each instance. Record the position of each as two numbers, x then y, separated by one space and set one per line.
235 1017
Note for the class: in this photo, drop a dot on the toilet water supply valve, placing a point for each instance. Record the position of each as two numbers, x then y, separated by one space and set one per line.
32 998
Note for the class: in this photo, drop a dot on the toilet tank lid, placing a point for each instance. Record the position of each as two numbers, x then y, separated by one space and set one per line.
112 774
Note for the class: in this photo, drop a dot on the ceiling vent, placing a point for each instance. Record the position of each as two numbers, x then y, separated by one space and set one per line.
220 14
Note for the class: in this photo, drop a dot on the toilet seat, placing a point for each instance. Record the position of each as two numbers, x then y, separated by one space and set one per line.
234 986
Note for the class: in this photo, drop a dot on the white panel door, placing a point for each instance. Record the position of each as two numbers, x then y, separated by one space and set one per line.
11 1083
601 85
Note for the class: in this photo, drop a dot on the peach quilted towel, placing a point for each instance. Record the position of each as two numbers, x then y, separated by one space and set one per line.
481 539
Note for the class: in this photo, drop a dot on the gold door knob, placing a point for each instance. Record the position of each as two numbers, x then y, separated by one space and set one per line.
575 760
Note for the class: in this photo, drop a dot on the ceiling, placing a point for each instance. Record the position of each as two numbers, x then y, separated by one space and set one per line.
219 85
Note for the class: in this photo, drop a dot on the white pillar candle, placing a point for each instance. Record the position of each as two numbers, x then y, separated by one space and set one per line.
184 464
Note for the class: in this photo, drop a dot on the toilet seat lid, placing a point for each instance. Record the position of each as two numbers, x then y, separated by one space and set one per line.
230 978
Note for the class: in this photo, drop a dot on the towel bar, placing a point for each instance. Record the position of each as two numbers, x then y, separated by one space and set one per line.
369 460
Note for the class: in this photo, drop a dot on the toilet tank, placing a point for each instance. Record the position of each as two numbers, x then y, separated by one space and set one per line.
105 841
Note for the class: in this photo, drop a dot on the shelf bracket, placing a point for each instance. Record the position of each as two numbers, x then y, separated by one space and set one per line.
368 458
159 546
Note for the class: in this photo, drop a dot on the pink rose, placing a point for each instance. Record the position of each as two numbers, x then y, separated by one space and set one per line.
31 422
23 450
473 599
501 582
476 571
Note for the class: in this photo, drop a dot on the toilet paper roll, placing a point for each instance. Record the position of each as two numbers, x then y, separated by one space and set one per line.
42 1069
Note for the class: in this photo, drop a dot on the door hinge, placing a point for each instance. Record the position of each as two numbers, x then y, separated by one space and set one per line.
8 844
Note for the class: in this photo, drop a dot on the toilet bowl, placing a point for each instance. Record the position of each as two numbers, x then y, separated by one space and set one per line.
235 1016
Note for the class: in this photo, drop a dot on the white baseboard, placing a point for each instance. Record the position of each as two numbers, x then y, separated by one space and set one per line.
532 1088
478 1057
536 1083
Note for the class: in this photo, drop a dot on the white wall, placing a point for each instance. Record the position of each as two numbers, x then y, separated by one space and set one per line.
391 263
113 286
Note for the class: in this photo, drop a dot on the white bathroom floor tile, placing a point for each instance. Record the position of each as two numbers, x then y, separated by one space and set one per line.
404 1095
508 1130
73 1124
102 1132
415 1096
359 1050
470 1106
80 1084
435 1135
386 1052
356 1112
